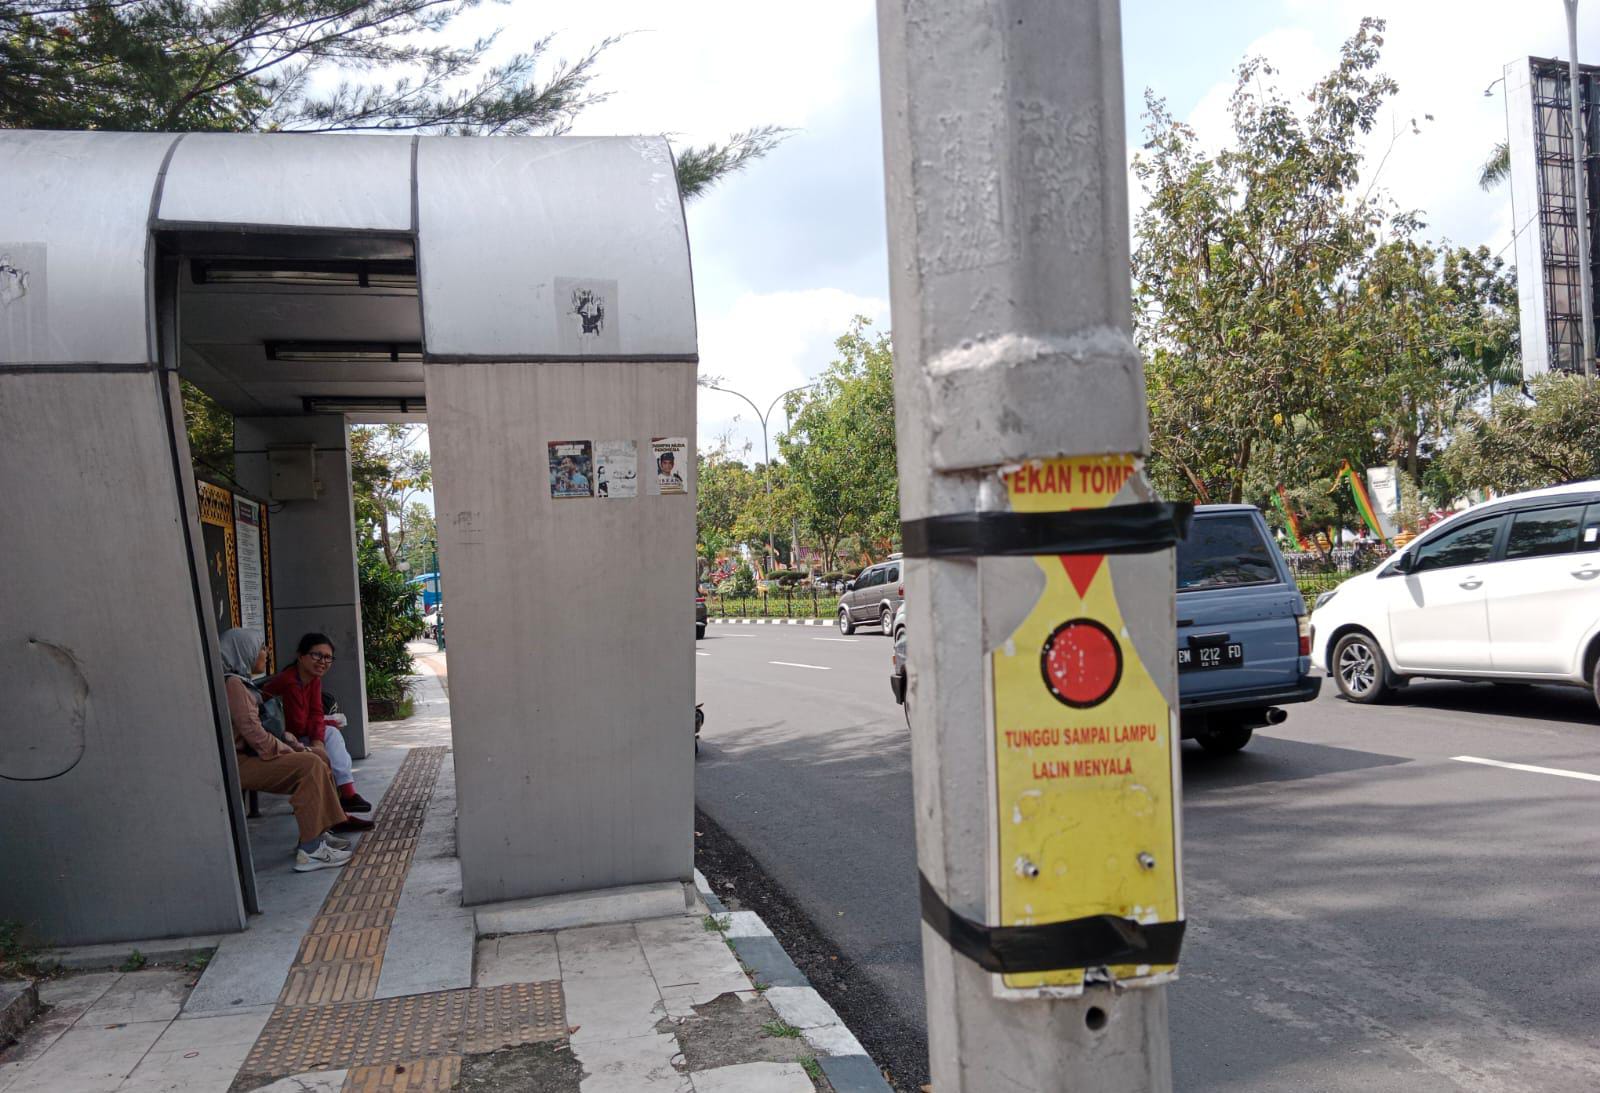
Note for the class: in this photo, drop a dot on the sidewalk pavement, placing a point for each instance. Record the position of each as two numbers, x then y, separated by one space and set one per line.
375 978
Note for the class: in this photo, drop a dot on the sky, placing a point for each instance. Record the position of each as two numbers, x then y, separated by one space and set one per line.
787 251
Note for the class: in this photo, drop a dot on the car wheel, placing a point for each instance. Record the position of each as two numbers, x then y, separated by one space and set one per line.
1226 741
846 627
1359 668
886 620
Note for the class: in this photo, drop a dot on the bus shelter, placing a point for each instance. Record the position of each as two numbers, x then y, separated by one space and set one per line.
531 299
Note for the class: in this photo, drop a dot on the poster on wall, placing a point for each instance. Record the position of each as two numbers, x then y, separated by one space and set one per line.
670 454
616 469
218 580
571 468
247 543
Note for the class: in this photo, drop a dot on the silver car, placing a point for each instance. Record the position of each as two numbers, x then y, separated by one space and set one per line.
873 597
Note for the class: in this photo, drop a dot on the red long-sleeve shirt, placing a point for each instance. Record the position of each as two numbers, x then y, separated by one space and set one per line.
302 702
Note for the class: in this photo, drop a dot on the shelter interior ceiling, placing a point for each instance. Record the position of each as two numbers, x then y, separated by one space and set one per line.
226 328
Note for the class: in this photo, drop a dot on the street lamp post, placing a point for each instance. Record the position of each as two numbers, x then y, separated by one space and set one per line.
765 454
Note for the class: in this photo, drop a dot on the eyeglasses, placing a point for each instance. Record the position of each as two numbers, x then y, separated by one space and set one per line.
321 658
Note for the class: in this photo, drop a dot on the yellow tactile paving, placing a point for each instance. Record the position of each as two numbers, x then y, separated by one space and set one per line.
385 1031
412 1076
340 961
327 1016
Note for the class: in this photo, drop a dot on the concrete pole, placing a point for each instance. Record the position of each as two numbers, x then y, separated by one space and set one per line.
1580 188
1009 269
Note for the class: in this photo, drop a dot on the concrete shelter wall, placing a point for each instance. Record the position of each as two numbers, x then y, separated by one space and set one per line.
570 628
114 819
313 553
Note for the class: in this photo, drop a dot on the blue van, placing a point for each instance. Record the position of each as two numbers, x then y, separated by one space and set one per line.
1244 641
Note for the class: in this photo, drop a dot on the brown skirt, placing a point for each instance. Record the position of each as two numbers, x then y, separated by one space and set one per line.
308 782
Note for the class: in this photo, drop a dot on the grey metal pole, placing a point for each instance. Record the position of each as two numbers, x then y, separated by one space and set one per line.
1580 188
1010 286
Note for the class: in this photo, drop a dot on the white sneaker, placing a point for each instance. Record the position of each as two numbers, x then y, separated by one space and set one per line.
323 857
336 842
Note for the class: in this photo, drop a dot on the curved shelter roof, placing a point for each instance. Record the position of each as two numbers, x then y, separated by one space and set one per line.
487 248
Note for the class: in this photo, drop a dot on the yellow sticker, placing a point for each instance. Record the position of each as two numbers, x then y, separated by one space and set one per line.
1084 747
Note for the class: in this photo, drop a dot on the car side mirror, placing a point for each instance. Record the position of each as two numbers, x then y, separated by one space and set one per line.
849 586
1402 564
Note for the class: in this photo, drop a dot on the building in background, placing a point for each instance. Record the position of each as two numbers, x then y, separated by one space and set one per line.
1544 207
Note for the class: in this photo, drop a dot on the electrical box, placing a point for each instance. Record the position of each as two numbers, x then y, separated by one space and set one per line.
294 472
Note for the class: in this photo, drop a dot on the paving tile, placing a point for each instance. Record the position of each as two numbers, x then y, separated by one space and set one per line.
77 991
853 1074
197 1055
833 1040
321 1081
745 924
691 965
769 964
89 1059
612 1007
634 1064
802 1007
600 951
48 1027
516 958
153 995
754 1078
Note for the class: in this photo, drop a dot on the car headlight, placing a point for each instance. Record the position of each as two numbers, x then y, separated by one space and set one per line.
1324 598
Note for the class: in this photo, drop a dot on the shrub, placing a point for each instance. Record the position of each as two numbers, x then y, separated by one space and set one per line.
390 617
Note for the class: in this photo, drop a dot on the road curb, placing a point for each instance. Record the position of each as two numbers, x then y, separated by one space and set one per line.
771 622
845 1062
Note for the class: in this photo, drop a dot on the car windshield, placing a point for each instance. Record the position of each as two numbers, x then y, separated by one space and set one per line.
1224 552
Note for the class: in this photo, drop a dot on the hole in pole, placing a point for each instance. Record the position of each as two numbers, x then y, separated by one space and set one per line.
1095 1018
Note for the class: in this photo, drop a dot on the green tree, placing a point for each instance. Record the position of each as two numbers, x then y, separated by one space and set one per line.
725 488
419 535
210 430
840 447
1497 168
1245 269
1549 436
387 469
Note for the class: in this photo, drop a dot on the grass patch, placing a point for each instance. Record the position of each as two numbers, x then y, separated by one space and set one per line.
716 924
781 1029
136 960
813 1069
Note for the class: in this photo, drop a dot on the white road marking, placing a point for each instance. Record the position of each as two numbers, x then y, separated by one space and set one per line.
758 635
698 653
852 641
792 664
1558 772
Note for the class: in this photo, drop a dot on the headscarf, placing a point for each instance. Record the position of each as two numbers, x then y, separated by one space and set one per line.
239 651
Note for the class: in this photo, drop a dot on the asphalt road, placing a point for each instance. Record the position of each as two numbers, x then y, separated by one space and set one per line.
1366 911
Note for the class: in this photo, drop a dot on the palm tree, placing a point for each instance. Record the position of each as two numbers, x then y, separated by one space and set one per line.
1497 168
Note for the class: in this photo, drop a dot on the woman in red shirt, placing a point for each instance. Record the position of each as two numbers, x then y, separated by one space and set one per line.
300 688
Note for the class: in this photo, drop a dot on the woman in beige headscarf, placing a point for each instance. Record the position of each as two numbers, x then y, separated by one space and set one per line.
271 765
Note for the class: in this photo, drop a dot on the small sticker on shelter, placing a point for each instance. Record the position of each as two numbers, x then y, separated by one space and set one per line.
571 468
671 455
616 469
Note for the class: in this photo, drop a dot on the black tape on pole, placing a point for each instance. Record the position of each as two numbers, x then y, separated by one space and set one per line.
1117 529
1093 942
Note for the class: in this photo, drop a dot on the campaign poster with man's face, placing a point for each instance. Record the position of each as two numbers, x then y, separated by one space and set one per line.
670 454
571 468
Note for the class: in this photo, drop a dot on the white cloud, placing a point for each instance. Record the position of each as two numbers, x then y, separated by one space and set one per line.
764 344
